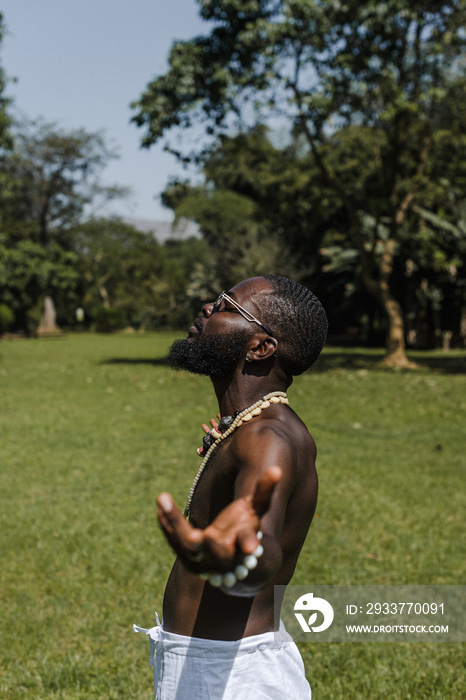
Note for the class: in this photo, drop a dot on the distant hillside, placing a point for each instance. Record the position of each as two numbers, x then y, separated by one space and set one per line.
164 230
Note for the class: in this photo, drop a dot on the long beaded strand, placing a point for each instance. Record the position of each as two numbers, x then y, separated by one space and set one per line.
246 415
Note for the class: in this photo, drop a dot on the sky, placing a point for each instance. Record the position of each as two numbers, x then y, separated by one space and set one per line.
80 63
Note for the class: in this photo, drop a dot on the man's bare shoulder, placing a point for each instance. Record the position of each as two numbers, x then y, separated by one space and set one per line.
281 439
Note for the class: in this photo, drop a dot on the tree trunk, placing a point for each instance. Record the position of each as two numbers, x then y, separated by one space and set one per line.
463 326
396 347
104 294
47 324
395 344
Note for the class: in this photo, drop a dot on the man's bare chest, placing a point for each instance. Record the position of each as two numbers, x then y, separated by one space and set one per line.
215 488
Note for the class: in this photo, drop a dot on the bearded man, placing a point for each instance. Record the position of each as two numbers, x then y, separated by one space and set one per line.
251 503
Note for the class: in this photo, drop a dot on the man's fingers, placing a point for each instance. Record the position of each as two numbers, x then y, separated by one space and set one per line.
213 424
165 503
166 510
265 488
248 541
235 528
181 535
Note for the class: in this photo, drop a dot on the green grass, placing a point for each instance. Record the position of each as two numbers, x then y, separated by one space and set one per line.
93 427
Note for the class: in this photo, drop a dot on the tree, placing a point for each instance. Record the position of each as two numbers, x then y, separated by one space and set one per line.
28 272
5 119
5 132
59 178
381 84
428 269
127 277
253 208
55 178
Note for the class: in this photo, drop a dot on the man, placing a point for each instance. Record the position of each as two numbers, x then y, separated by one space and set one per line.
251 503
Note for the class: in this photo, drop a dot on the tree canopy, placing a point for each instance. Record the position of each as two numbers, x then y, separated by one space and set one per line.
5 125
56 179
253 209
123 269
376 90
5 119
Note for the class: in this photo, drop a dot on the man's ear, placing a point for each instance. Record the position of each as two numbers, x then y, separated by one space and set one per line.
261 347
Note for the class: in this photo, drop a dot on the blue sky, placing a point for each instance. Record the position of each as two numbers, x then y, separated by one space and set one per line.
81 63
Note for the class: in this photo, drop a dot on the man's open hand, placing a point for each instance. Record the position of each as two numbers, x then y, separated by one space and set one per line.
229 537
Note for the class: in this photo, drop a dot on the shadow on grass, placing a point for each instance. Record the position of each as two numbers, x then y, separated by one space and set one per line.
334 359
446 364
156 361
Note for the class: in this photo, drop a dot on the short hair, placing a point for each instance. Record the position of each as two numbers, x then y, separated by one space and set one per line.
297 318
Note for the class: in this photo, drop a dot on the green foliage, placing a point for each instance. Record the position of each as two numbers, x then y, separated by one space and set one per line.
229 224
252 209
5 130
377 92
53 178
82 557
5 119
326 59
56 178
7 318
125 269
109 319
28 272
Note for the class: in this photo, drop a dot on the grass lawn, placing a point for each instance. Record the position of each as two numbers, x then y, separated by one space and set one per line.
92 427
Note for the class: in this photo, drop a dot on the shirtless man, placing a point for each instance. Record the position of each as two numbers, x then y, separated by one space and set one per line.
251 508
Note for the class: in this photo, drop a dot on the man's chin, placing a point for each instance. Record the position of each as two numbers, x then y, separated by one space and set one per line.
214 357
183 356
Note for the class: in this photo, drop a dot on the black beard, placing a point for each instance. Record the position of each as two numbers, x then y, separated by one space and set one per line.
215 356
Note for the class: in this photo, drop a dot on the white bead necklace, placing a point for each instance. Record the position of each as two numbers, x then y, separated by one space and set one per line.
246 415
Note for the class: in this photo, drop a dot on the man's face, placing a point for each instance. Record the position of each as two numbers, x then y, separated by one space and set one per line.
218 338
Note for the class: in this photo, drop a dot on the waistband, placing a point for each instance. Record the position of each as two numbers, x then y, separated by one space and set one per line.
213 649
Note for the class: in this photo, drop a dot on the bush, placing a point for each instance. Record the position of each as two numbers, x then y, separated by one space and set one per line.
110 319
7 318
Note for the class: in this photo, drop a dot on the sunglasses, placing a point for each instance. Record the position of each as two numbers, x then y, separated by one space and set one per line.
244 313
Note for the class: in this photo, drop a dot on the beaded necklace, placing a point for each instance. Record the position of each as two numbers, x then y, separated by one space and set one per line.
244 416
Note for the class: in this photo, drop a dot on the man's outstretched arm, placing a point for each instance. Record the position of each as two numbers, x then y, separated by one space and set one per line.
232 536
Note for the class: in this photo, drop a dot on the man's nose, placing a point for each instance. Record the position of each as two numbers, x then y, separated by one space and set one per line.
207 309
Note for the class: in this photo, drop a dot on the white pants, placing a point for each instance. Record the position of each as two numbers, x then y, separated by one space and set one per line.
263 667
